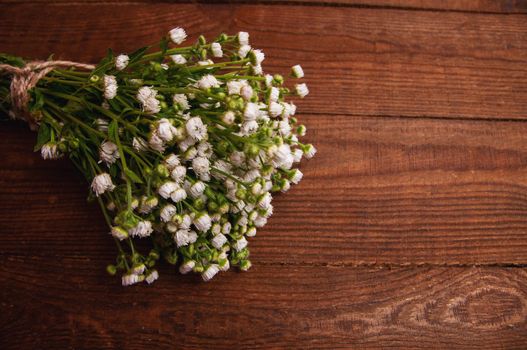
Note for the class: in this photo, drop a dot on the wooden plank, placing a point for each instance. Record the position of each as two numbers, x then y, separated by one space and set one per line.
57 303
377 62
492 6
482 6
380 190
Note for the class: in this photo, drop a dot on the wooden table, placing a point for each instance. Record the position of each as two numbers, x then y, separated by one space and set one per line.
408 231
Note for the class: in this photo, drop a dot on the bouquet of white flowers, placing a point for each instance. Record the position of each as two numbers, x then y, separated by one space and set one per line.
178 148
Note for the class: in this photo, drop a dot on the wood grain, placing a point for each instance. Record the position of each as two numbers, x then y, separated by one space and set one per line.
480 6
65 303
492 6
375 62
418 110
381 190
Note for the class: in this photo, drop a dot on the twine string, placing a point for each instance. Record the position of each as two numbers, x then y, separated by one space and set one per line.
25 78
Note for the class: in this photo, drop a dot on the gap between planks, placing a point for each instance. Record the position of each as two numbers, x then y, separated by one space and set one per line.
516 10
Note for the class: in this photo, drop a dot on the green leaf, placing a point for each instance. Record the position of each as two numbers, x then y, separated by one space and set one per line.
43 136
115 105
137 54
164 45
112 131
132 176
113 171
73 107
12 60
104 65
37 101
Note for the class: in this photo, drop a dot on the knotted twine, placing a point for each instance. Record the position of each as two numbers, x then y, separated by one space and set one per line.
25 78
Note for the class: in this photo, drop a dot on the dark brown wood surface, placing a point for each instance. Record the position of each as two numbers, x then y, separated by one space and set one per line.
408 231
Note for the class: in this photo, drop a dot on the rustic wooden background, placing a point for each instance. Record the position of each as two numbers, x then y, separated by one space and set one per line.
409 230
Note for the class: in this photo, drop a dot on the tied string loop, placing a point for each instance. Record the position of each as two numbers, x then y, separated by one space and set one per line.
25 78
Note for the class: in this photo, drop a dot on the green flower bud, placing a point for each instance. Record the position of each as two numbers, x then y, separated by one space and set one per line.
250 199
224 208
202 40
212 206
95 78
156 66
245 265
163 105
73 143
111 269
62 146
171 257
203 54
278 79
181 134
199 204
252 149
162 171
240 104
153 255
220 95
223 146
177 219
276 188
266 170
209 193
301 130
241 193
243 254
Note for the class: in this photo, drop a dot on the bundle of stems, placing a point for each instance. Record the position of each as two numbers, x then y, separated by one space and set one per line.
182 146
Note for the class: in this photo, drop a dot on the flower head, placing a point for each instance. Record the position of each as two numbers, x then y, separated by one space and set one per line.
167 212
178 59
152 276
196 129
301 90
165 130
142 229
207 82
297 71
240 244
129 279
216 50
166 189
121 62
197 189
108 152
219 240
202 222
102 183
177 35
243 38
50 151
201 165
119 233
185 237
181 100
187 267
110 87
210 272
147 96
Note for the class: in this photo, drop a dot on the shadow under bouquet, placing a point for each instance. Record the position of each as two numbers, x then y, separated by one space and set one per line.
182 146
